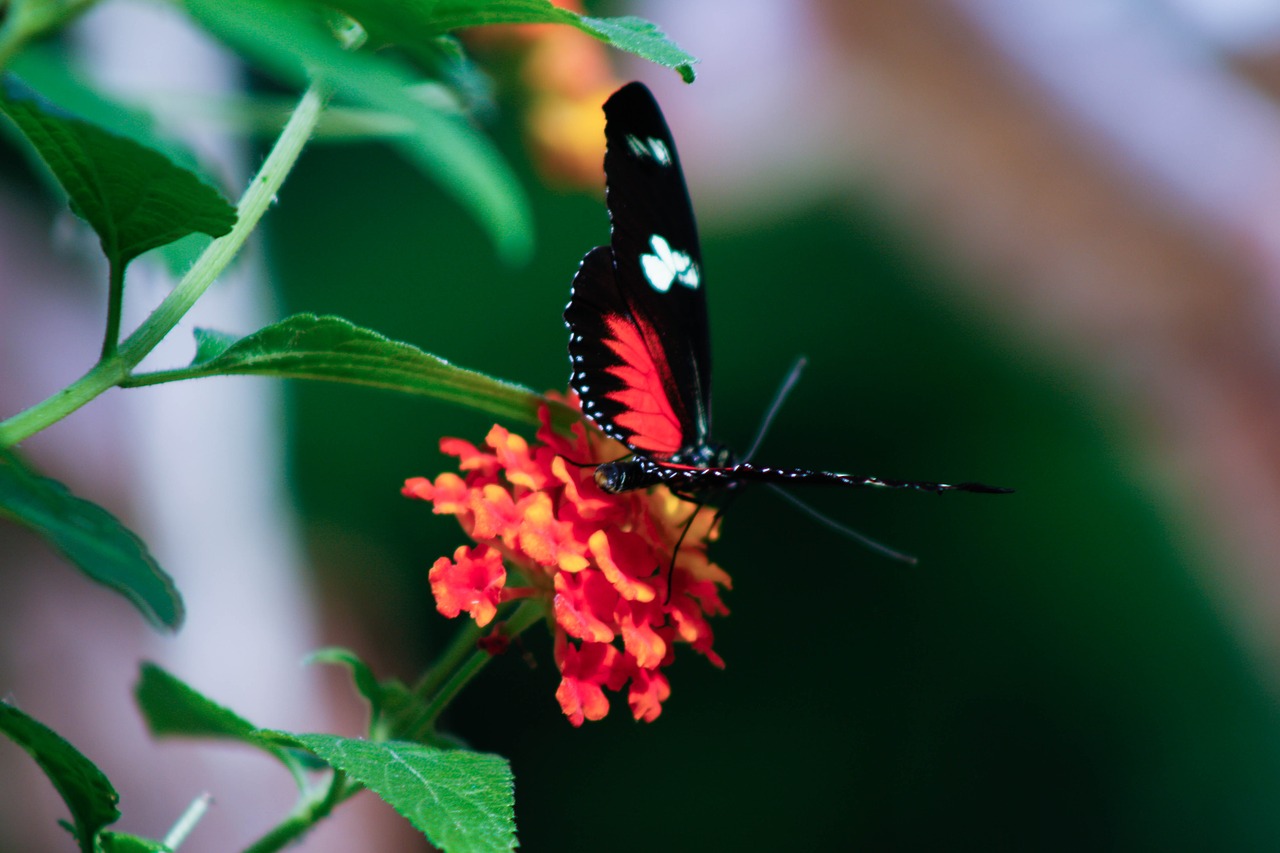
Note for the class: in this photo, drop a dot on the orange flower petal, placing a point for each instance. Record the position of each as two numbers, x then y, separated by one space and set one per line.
469 457
418 487
547 540
645 646
450 495
648 691
584 606
518 465
584 671
496 514
631 556
471 581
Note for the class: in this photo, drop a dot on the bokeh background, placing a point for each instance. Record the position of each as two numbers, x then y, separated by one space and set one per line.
1019 241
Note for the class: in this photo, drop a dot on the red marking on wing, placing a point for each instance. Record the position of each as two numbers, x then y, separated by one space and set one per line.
649 415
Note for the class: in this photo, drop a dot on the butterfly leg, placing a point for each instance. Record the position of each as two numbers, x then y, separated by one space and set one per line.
699 501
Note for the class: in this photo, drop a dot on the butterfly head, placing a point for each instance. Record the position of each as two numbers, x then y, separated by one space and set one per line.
624 475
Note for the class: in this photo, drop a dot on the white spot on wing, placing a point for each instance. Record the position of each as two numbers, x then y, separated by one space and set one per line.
656 270
689 276
666 265
637 147
651 148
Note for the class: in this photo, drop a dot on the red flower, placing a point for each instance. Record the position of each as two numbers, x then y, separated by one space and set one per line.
601 561
472 581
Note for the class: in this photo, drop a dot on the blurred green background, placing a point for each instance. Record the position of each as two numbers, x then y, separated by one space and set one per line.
1050 676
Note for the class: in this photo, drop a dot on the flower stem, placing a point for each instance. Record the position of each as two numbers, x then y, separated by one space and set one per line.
310 811
528 613
113 369
462 645
115 301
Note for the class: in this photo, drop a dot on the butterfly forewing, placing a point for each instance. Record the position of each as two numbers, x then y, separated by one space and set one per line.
637 315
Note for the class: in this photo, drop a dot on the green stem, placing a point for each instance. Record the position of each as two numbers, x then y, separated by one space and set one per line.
112 370
528 613
115 299
463 645
310 811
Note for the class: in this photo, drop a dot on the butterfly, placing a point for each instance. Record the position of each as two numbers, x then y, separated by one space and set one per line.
639 344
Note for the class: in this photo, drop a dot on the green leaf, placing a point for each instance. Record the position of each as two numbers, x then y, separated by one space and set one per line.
24 20
117 842
416 22
52 71
306 346
91 538
462 801
384 698
135 198
287 40
643 38
210 344
173 708
83 787
362 676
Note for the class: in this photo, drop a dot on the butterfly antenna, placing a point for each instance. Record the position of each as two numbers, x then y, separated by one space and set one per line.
793 376
867 541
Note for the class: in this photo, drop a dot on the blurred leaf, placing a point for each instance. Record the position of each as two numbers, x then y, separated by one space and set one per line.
643 38
384 698
51 71
362 676
83 787
24 20
462 801
115 842
306 346
417 22
173 708
288 40
91 538
135 198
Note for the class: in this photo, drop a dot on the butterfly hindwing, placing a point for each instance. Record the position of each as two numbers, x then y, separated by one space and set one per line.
639 343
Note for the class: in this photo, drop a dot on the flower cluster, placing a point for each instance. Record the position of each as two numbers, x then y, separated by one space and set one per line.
603 562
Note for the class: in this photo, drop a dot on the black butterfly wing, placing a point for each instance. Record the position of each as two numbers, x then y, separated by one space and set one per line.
639 346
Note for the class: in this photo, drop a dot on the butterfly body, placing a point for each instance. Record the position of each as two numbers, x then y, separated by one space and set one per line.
639 343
